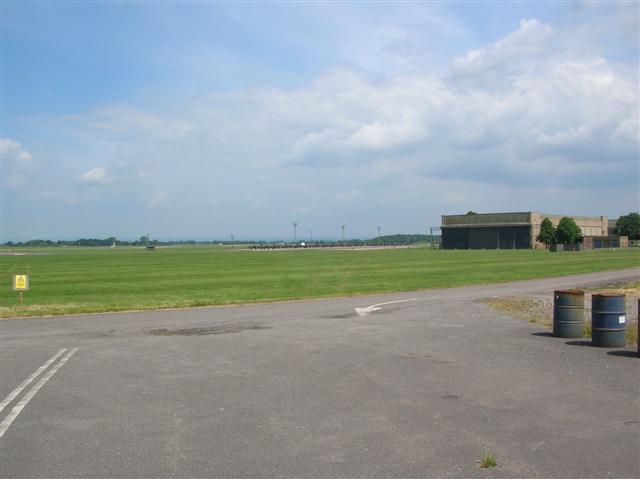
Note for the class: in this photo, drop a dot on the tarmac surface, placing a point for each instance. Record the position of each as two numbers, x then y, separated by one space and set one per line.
420 386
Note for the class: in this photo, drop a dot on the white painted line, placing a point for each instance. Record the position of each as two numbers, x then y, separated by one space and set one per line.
376 307
12 395
17 409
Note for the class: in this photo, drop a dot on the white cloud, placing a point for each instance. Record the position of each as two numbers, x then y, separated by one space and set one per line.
347 137
510 121
629 129
531 39
12 151
382 135
567 137
96 175
17 163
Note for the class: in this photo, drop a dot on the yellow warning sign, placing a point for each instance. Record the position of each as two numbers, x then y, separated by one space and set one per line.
20 282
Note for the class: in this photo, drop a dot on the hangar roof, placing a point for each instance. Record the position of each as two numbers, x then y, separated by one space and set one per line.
487 219
522 218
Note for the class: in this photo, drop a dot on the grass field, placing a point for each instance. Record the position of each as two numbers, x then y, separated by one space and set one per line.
80 280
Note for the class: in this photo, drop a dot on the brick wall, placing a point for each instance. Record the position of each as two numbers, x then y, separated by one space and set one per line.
590 226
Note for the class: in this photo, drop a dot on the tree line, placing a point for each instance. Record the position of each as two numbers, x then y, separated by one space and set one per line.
399 239
111 241
403 239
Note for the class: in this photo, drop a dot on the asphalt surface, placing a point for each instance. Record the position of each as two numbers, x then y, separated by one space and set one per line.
419 388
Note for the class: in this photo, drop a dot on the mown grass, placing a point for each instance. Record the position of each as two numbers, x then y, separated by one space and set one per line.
79 280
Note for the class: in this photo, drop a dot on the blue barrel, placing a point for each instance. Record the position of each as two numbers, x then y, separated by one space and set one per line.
568 313
608 320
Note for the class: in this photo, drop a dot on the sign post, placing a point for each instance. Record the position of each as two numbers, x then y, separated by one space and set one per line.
20 284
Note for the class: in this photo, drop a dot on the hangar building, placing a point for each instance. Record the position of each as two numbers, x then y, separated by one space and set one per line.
510 230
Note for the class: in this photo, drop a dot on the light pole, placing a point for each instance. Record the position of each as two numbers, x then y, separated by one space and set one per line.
343 227
379 239
295 232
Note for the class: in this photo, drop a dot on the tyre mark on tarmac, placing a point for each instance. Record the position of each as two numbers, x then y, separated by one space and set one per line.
17 409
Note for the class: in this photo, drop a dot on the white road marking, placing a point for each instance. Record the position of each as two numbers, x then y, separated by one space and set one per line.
12 395
17 409
376 307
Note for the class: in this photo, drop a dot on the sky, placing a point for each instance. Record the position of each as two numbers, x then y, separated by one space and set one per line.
202 120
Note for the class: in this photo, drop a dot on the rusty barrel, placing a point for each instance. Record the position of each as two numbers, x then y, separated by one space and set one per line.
568 313
608 320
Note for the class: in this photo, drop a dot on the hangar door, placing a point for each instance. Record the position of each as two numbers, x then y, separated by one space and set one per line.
507 237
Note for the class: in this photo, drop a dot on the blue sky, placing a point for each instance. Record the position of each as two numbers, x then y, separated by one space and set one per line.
203 120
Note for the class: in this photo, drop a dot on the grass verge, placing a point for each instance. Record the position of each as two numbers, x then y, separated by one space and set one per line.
86 280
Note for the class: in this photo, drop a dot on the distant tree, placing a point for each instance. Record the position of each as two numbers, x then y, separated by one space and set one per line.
402 239
471 213
629 225
567 231
547 232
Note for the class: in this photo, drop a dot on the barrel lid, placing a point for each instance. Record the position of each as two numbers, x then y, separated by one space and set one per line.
575 292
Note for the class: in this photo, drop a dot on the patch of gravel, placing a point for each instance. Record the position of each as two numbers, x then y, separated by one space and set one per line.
538 309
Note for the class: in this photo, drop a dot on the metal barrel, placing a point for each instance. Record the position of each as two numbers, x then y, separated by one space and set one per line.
568 313
608 320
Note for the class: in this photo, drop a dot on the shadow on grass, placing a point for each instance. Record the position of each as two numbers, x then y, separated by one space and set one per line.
625 353
544 334
578 343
